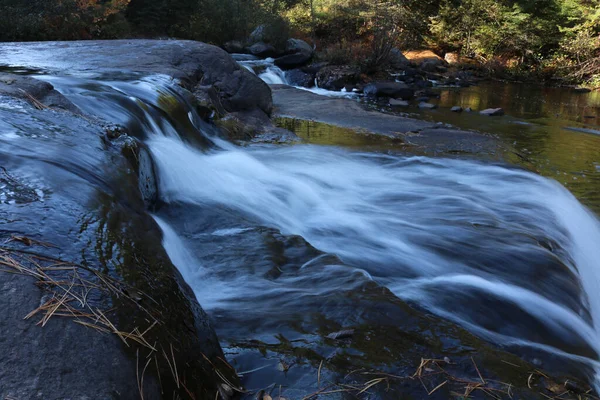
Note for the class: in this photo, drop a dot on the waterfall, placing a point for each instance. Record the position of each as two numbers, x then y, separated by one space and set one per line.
508 254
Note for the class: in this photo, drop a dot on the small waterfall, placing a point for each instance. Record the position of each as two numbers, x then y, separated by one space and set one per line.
506 253
273 75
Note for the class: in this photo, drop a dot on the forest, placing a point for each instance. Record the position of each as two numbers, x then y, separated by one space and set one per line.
520 39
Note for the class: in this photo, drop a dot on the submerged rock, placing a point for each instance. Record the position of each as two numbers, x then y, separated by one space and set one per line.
336 77
457 109
427 106
492 112
398 103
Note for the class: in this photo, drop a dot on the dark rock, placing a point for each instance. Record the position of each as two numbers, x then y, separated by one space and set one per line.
575 387
298 46
398 103
314 68
293 60
261 49
38 93
259 34
427 106
297 77
102 205
422 84
492 112
336 77
191 63
208 102
234 46
423 99
389 89
582 90
456 109
397 59
340 335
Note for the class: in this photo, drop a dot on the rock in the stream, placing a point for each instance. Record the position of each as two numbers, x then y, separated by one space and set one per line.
234 46
39 93
457 109
468 109
389 89
398 103
262 49
336 77
581 90
293 60
297 46
191 63
492 112
297 77
427 106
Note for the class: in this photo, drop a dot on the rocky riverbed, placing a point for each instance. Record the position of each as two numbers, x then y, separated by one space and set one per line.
80 200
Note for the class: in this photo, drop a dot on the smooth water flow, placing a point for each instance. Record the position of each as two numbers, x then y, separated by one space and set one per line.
508 254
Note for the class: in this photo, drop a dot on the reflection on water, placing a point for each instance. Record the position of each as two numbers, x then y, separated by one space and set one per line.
535 124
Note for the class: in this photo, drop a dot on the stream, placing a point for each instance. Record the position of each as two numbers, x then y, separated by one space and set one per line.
289 243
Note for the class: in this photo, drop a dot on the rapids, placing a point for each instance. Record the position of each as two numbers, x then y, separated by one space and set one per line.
508 254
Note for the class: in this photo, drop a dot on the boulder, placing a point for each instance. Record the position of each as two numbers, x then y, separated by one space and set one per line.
425 59
398 103
259 34
456 109
234 46
397 59
468 109
293 60
427 106
337 77
452 58
261 49
492 112
297 77
314 68
389 89
297 46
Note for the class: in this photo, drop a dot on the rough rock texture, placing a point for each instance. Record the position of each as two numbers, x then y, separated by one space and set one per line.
297 77
234 46
193 63
389 89
336 77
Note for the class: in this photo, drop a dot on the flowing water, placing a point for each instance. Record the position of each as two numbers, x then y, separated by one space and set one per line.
275 240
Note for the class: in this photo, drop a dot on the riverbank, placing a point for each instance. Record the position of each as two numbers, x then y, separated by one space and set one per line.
297 329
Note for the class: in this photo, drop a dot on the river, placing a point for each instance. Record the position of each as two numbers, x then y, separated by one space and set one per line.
285 244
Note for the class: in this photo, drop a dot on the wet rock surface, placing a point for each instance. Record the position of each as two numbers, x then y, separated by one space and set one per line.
295 103
71 195
193 63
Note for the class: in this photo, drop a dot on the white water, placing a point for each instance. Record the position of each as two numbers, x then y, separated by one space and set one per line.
273 75
411 223
469 241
